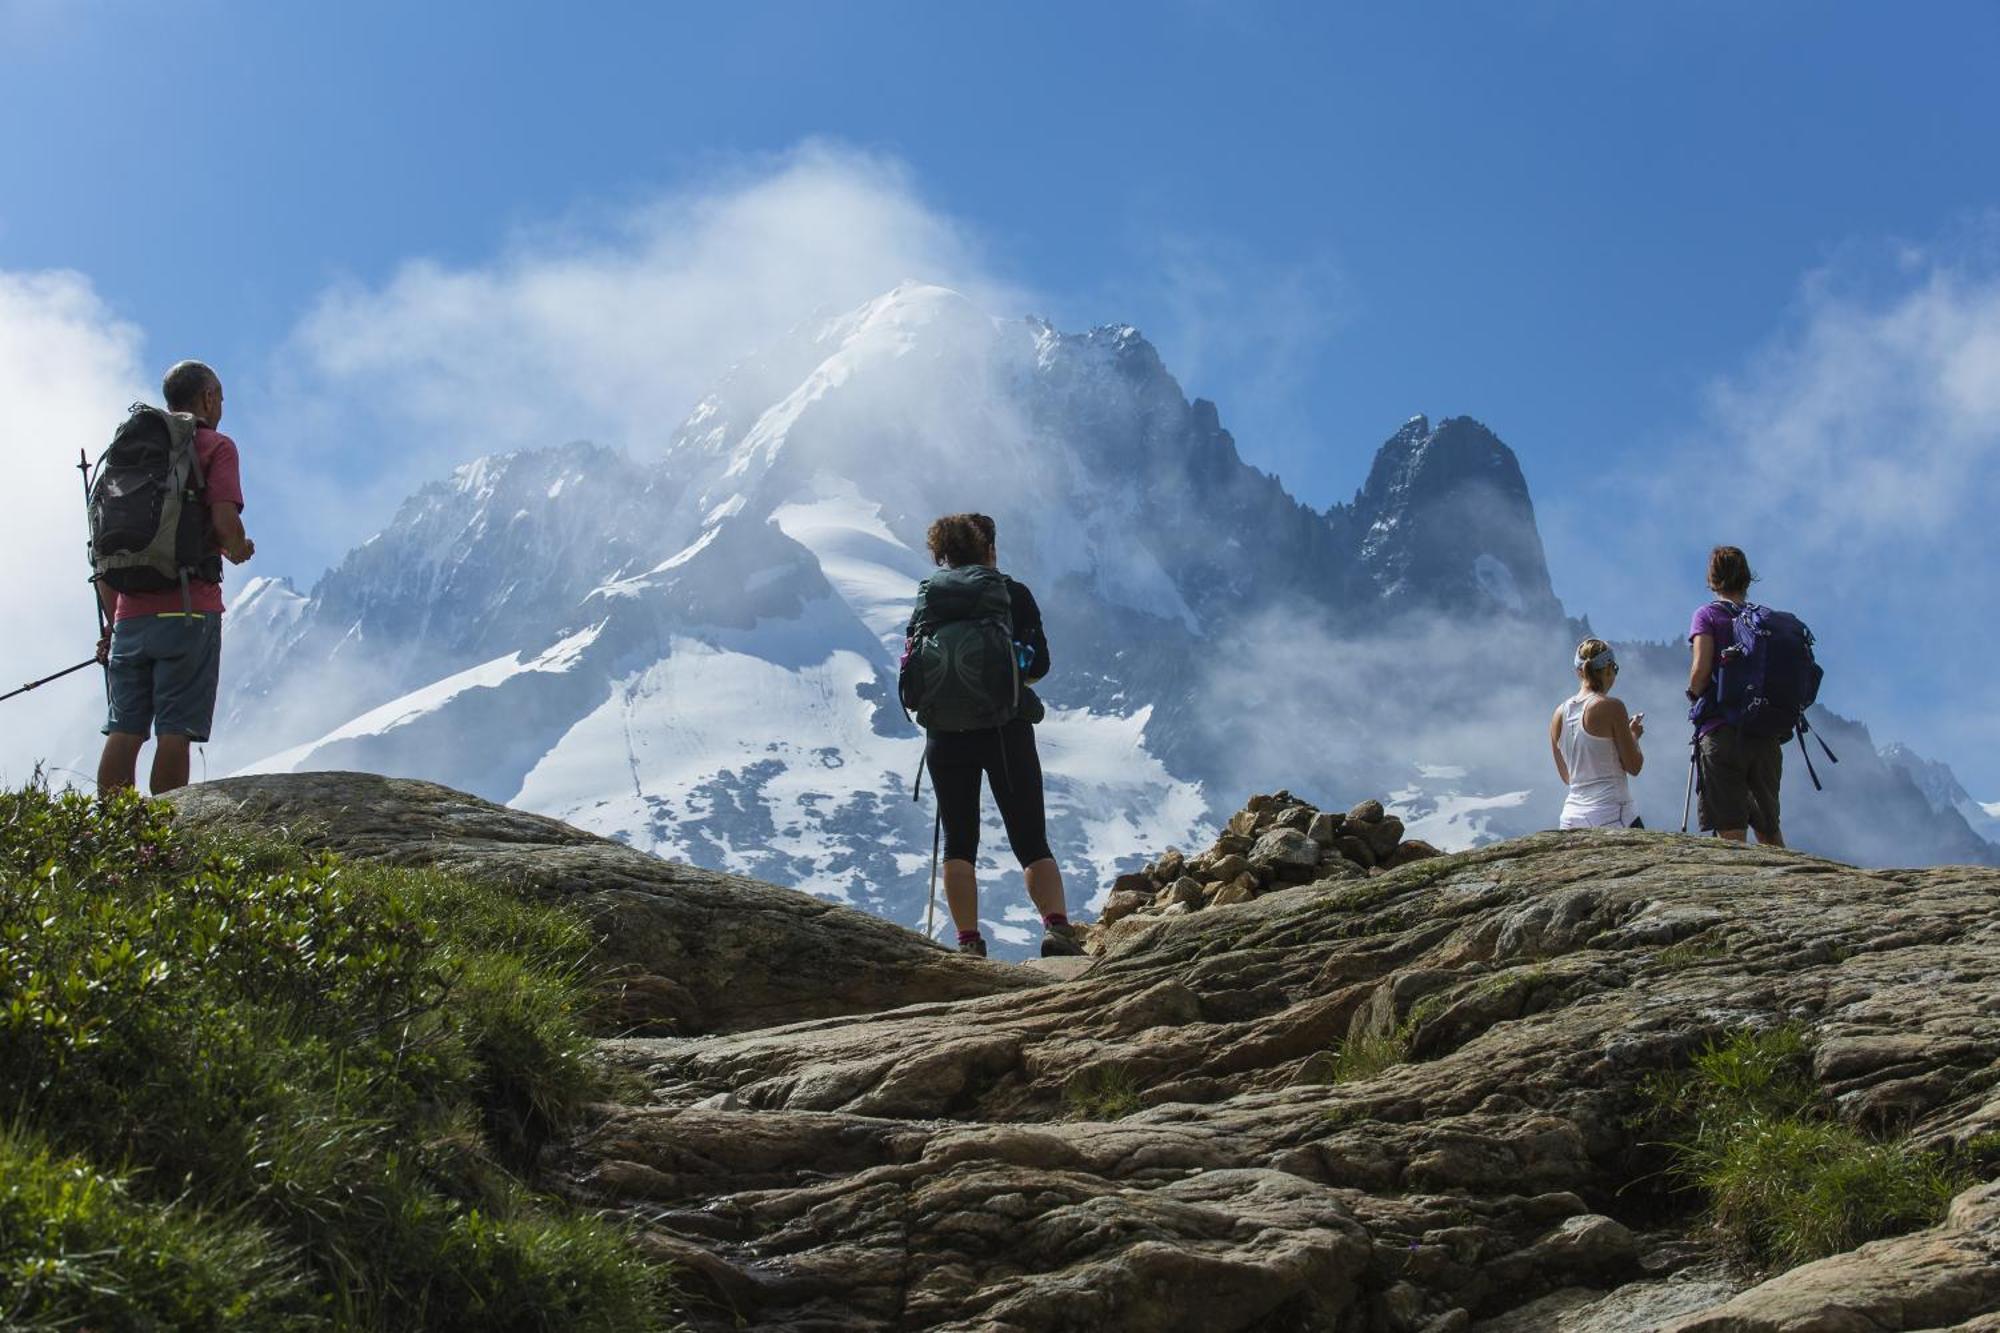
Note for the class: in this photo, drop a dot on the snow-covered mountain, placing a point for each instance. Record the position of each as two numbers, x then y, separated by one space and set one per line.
695 651
1943 790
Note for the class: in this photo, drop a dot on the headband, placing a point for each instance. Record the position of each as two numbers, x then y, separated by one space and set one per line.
1604 661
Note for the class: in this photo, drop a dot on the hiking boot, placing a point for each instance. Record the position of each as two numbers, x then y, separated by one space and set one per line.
976 946
1061 942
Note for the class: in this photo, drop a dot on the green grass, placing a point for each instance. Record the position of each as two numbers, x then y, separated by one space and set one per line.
1688 952
1785 1181
1363 1057
323 1082
1102 1092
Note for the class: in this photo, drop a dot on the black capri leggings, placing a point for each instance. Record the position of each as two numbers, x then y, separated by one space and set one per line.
1008 759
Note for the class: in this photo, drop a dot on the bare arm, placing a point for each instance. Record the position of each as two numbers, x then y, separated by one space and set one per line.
109 601
1625 733
1702 669
1555 746
227 520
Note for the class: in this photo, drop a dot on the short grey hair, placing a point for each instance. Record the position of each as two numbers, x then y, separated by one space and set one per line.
185 382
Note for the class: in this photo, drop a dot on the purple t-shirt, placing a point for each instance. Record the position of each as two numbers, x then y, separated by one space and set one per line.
1718 621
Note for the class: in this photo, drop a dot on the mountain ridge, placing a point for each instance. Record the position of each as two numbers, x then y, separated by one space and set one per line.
696 653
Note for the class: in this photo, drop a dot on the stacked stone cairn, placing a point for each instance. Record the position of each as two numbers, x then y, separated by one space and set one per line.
1273 843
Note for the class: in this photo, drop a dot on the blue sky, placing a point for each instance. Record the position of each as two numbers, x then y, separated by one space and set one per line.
1634 240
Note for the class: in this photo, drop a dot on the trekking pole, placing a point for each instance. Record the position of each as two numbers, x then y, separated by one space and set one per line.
930 912
90 549
1688 804
37 684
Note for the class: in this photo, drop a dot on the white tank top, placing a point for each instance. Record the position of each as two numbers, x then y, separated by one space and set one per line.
1600 795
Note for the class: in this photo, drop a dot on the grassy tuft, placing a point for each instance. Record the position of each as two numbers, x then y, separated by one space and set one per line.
325 1080
1360 1058
1102 1092
1794 1190
1785 1181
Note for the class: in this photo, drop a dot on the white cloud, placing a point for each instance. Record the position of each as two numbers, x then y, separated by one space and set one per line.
1872 417
608 328
68 368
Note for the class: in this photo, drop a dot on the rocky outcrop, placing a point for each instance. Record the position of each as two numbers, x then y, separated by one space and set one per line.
1405 1102
1414 1101
1948 1276
688 951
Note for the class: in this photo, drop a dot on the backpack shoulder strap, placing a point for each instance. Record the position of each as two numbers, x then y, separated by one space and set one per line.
179 422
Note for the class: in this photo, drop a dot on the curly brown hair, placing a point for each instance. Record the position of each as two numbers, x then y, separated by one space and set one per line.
961 539
1729 570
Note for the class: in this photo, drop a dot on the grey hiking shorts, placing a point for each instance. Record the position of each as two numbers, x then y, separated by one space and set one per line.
1739 780
162 673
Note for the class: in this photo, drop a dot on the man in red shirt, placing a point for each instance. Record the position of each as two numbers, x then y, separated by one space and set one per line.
163 652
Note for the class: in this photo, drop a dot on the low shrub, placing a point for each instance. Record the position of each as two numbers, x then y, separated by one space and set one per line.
78 1249
333 1072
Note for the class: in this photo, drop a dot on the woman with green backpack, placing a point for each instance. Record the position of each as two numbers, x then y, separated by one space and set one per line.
974 646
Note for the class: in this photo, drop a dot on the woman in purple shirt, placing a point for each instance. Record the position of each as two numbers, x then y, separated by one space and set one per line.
1739 774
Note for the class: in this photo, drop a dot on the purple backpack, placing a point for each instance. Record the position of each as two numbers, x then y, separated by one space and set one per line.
1766 679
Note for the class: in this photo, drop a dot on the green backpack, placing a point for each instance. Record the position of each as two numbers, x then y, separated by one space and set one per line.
960 673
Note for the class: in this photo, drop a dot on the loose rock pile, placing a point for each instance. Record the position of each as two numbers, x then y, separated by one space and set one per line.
1274 842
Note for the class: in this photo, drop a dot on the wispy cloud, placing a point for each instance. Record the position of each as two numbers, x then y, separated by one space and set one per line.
596 326
1244 329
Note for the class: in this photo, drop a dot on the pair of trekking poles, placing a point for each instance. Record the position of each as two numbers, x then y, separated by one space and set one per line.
83 467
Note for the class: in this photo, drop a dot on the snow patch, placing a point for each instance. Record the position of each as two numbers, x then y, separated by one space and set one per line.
874 571
1453 821
421 703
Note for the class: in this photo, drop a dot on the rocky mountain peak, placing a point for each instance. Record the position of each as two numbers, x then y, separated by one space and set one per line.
1445 521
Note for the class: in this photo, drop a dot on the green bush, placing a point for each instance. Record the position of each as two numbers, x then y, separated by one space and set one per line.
1785 1181
330 1071
76 1248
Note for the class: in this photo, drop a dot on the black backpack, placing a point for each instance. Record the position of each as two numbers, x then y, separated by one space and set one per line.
149 520
961 672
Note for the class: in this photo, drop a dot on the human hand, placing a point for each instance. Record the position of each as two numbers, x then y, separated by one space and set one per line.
104 647
241 552
1638 725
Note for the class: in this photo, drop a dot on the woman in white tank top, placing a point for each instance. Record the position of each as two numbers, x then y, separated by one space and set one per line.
1596 745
